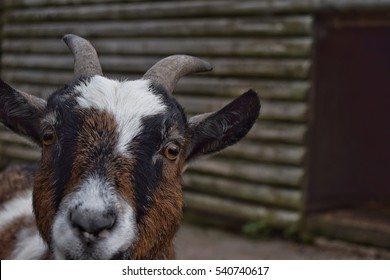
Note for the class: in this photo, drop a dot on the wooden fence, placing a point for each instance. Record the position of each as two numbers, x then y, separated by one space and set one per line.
264 45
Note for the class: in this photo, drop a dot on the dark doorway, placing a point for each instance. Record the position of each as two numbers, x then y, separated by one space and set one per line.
349 166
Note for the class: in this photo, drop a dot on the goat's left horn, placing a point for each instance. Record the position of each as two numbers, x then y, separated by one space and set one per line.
168 71
86 61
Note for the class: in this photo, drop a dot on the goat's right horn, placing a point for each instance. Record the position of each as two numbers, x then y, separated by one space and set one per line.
168 71
86 61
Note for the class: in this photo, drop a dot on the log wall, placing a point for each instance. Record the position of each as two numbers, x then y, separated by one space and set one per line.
264 45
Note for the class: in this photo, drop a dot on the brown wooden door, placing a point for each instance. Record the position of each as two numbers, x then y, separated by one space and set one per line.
350 121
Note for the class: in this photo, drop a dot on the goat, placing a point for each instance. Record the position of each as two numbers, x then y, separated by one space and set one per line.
108 184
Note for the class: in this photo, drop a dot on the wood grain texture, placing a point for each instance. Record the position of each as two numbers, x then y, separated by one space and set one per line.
241 211
242 47
255 193
138 8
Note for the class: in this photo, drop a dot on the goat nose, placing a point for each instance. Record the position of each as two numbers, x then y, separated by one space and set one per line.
91 223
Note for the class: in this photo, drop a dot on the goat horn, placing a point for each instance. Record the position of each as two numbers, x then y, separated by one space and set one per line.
86 61
168 71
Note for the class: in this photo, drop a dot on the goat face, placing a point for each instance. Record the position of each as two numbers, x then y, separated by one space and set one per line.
114 154
108 183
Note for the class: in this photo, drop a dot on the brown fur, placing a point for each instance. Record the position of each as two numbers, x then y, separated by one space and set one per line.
117 167
14 180
43 201
9 235
156 230
159 226
94 132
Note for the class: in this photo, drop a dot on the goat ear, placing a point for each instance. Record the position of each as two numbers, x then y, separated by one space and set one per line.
21 112
212 132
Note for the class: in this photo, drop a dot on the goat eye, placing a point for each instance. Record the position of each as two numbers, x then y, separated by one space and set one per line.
48 138
171 151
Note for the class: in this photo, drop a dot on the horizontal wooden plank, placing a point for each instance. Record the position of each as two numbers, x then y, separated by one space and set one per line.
18 152
238 190
29 3
242 211
140 9
259 47
15 147
278 132
6 136
233 87
155 9
38 61
270 110
218 27
250 172
222 67
266 152
267 68
284 111
368 227
47 78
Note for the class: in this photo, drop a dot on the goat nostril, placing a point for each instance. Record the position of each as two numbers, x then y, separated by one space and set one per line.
108 222
91 224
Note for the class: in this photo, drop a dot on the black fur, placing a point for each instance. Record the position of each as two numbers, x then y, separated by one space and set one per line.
224 127
147 146
67 127
19 114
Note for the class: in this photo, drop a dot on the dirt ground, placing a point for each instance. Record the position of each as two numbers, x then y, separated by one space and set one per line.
194 243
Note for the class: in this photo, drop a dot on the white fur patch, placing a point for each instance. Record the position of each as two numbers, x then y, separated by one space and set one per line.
29 246
29 243
18 207
128 102
94 195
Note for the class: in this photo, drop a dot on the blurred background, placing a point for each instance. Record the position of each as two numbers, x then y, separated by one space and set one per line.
317 161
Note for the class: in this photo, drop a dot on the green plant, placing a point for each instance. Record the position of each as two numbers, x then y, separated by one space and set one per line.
257 229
